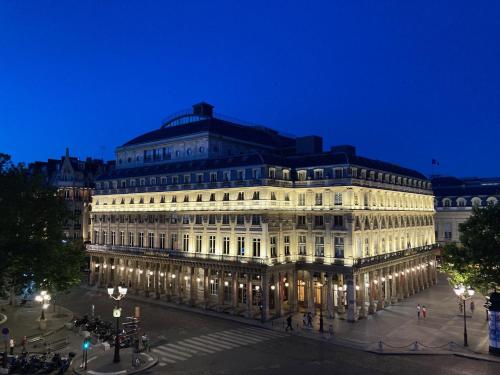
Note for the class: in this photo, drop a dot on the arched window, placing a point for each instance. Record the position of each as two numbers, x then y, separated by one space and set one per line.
446 202
476 202
461 202
491 200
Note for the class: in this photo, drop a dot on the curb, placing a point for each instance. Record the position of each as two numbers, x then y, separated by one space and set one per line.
77 370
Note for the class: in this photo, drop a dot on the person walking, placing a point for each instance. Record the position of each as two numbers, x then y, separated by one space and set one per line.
289 323
309 320
418 311
304 320
472 307
24 341
424 311
11 344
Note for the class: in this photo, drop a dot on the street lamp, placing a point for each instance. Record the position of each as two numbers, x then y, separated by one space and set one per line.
122 291
44 299
464 294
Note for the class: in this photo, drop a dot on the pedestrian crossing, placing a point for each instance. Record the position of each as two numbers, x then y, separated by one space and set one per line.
212 343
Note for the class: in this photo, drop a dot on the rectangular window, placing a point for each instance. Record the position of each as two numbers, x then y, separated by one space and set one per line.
302 245
211 219
272 173
214 286
339 247
225 246
212 197
255 219
301 199
256 195
174 241
318 174
319 246
338 199
130 239
256 247
318 199
273 196
198 219
338 173
141 239
151 240
122 238
301 220
241 196
226 197
199 198
255 174
225 176
185 219
272 241
286 174
162 240
104 238
301 175
286 246
211 244
113 238
225 219
241 246
186 179
240 220
447 231
239 175
185 243
199 178
198 243
318 221
338 221
213 177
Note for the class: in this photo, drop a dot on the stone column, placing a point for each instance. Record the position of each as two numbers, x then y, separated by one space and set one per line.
340 292
249 296
292 291
193 287
406 281
387 287
220 292
310 292
329 296
380 291
371 293
394 279
361 296
234 286
352 310
206 292
265 298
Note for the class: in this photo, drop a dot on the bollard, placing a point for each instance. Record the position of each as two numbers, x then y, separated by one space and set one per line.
380 346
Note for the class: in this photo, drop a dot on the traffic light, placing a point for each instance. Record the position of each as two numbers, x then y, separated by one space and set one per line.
86 344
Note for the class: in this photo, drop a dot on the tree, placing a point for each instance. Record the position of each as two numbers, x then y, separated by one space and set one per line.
32 243
476 261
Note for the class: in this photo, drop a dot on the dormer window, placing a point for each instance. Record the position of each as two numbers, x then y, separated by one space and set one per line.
240 175
213 177
338 173
318 174
186 179
152 181
256 195
199 178
174 198
199 198
301 175
286 174
272 172
225 176
175 180
461 202
212 197
241 196
446 202
186 198
142 182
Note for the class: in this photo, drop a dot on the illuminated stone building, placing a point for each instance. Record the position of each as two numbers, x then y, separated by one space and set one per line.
242 219
455 199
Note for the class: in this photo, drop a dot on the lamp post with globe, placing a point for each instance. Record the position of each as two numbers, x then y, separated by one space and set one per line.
121 292
464 294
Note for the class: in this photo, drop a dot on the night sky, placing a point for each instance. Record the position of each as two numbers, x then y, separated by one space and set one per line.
403 81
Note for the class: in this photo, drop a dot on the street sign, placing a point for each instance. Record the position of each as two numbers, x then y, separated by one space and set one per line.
5 331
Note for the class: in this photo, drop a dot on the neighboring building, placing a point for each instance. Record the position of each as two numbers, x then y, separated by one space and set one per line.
454 200
74 180
241 218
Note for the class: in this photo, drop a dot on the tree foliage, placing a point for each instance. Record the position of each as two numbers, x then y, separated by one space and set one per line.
32 243
476 261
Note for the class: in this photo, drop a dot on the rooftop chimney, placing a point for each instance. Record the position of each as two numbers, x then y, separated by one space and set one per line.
203 109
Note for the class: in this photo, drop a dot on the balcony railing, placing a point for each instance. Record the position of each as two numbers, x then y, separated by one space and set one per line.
367 261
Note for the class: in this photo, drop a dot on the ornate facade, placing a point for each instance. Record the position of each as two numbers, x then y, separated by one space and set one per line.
243 219
454 200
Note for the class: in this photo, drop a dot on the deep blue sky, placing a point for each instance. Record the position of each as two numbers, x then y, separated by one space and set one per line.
404 81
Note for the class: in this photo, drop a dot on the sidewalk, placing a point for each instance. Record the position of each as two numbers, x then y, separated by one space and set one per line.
25 320
397 330
101 362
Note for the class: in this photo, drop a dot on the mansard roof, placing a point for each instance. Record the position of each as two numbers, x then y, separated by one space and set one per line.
256 134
